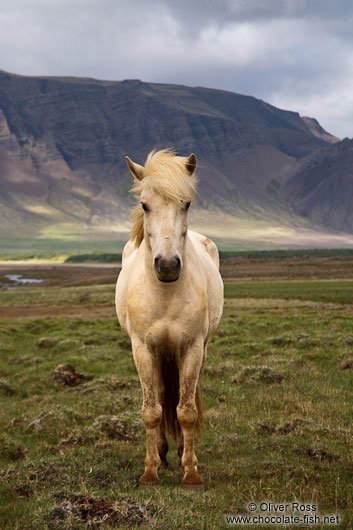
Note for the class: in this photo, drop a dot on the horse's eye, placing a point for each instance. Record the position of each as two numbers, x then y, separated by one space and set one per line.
187 205
145 207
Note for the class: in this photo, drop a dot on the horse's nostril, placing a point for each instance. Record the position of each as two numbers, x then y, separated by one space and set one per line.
156 261
177 262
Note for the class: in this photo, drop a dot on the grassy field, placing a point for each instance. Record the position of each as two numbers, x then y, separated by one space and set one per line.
277 390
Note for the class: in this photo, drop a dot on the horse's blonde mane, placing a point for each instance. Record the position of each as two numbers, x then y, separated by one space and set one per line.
167 175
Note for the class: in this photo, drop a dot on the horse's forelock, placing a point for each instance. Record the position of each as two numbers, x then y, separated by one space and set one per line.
167 175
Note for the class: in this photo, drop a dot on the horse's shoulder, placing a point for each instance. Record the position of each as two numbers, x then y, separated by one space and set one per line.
206 244
128 250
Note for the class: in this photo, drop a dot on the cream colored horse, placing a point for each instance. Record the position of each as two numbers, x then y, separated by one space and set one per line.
169 299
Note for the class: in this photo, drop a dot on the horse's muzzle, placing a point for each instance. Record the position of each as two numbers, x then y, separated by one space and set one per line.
167 270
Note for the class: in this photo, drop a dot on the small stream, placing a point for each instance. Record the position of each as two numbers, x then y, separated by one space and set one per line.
18 280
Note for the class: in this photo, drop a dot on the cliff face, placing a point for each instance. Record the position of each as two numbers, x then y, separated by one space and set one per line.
63 141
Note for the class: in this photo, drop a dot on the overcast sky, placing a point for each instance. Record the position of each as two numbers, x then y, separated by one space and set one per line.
294 54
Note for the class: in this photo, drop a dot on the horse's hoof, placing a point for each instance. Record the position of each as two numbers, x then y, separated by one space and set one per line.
196 487
193 481
148 479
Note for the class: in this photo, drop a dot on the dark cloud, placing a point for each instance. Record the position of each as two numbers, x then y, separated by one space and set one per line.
297 54
199 12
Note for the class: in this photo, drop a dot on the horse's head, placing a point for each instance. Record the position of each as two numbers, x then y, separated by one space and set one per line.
165 187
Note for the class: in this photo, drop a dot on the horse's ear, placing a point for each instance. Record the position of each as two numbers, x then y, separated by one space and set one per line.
137 170
191 164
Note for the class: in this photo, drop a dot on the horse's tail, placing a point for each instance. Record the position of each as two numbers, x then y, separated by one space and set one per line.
170 374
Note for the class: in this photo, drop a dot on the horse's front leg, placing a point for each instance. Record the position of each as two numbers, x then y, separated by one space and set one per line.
189 372
148 369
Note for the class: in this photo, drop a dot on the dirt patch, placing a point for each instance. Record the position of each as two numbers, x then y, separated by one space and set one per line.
26 360
262 374
316 454
268 428
74 439
23 490
6 389
47 342
66 374
347 364
119 385
37 424
42 473
289 427
84 297
114 428
98 511
280 341
10 450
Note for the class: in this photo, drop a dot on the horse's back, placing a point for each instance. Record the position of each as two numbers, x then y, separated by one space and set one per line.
129 256
128 251
205 244
208 258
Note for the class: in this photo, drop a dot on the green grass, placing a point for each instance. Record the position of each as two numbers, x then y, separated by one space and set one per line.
41 247
95 257
24 256
287 253
100 251
339 292
277 390
65 296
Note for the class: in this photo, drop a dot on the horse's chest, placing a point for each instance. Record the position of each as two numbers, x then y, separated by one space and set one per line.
167 324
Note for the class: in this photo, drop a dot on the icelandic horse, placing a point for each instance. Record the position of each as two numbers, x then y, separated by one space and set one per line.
169 299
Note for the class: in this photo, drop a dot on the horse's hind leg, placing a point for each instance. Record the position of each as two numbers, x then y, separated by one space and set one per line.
189 372
149 372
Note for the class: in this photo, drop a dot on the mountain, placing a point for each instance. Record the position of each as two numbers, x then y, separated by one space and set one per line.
320 186
63 142
315 128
